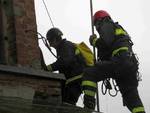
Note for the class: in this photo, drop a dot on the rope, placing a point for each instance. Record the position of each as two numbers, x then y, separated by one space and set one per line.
44 41
46 44
106 86
48 13
92 28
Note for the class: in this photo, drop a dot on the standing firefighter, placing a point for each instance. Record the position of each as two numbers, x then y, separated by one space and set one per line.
69 63
115 60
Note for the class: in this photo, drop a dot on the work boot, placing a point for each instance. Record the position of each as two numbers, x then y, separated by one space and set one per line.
89 102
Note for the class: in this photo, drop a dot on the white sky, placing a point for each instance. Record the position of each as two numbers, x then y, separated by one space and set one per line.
73 18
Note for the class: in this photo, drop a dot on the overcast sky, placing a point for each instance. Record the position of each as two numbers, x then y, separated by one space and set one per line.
73 18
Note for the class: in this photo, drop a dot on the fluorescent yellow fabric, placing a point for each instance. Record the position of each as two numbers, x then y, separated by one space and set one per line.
89 83
73 78
86 53
120 31
138 109
119 49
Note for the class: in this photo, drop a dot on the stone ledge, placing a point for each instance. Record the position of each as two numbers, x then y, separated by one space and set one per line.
30 72
18 105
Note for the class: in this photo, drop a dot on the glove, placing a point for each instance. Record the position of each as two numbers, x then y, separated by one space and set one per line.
93 39
49 68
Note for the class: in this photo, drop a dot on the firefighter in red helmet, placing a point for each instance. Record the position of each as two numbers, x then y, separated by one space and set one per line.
116 60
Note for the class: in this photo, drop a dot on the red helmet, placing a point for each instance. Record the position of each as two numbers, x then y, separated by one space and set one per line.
100 15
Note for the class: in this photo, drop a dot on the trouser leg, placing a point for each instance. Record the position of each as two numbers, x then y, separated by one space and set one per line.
72 93
128 83
129 91
89 102
89 88
89 85
133 101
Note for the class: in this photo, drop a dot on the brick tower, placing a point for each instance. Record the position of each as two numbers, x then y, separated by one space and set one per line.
23 83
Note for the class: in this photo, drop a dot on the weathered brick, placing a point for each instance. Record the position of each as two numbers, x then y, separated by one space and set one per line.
19 28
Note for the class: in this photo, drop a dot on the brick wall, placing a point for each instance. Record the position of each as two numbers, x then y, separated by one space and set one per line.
28 53
20 42
37 89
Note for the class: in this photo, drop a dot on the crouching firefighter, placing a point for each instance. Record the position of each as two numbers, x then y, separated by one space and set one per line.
69 63
115 60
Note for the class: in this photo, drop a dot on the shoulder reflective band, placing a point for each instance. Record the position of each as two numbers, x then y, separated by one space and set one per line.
89 83
138 109
119 49
73 78
89 93
120 32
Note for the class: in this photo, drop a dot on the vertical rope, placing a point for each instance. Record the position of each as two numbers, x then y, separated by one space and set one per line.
92 27
48 13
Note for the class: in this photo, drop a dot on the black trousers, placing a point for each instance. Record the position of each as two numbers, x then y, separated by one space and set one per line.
124 71
71 92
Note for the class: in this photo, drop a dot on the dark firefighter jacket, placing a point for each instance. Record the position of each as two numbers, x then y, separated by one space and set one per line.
115 45
112 38
68 62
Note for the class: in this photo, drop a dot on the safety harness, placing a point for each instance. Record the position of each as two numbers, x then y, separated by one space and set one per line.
106 84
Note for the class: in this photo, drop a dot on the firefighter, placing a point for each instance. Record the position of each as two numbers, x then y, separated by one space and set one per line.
69 63
115 60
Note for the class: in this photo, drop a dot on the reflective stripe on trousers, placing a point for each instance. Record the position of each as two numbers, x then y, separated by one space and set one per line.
138 109
89 87
73 78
